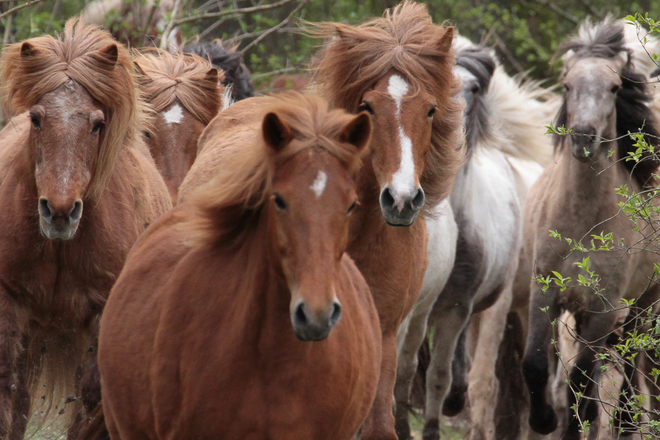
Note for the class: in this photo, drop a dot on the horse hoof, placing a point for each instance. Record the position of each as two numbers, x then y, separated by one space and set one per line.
544 425
453 404
431 430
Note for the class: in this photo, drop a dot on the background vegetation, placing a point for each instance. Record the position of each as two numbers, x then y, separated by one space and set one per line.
525 33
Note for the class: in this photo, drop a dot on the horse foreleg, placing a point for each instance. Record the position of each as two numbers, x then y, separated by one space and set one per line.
380 421
543 310
10 384
585 373
482 382
412 338
449 320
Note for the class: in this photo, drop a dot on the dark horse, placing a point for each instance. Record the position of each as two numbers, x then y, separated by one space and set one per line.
237 75
604 100
79 187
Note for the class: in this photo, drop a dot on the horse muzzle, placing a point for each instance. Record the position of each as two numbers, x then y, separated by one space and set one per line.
401 209
59 221
311 325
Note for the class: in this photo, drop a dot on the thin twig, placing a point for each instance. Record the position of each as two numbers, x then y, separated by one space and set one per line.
145 31
274 72
17 8
232 12
211 28
164 39
8 25
275 28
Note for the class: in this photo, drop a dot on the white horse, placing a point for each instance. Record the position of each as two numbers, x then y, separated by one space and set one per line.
505 121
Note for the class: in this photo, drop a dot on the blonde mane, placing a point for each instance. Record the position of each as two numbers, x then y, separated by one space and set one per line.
188 79
405 40
231 201
83 53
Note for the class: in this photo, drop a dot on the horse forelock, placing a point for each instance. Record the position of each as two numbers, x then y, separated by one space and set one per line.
407 41
78 55
166 79
242 185
605 39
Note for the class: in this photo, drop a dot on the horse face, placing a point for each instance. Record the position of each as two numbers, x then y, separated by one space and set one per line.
471 90
313 196
173 144
67 125
402 123
591 86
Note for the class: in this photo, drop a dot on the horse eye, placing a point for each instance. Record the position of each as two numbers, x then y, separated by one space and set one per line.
147 134
366 107
475 89
352 207
615 88
279 202
97 127
566 88
431 112
36 120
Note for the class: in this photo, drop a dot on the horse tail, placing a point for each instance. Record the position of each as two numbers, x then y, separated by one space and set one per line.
520 110
512 396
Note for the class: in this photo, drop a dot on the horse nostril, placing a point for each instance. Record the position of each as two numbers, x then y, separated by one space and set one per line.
418 200
336 313
76 213
300 316
386 198
44 209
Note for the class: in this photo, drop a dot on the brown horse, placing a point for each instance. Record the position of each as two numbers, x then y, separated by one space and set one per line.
75 145
399 69
239 315
605 99
186 93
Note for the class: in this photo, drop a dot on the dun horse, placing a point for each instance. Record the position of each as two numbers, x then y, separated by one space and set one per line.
239 315
79 188
399 69
185 93
604 100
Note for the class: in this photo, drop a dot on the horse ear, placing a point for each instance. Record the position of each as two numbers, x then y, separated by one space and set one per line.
138 69
357 132
27 50
276 133
445 42
110 53
213 75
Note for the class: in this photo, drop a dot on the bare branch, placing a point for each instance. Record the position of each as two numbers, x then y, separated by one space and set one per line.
164 39
274 72
275 28
232 12
17 8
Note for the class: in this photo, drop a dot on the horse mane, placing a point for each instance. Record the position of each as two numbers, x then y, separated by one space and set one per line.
478 61
406 40
231 202
78 54
192 81
511 112
237 75
633 103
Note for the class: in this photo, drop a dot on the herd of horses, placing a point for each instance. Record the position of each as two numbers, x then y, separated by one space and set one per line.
181 259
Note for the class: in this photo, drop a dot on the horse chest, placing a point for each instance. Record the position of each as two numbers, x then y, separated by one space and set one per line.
487 209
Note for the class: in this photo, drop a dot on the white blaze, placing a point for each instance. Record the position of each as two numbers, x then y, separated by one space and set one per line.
319 183
403 181
173 115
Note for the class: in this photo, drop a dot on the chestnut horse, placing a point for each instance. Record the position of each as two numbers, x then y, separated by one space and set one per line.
239 315
79 187
605 99
399 69
186 93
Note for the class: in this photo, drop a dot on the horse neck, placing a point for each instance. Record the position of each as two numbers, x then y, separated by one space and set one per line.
368 217
589 187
